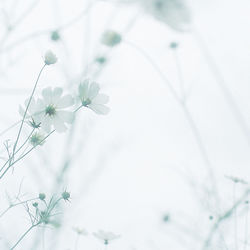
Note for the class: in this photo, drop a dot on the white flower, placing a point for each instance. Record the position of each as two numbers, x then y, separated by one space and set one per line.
90 97
106 236
50 58
174 13
53 113
80 231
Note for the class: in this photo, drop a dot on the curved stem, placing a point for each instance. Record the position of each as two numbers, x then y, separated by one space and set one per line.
21 157
185 109
1 169
235 218
21 238
9 128
226 215
246 229
46 32
223 86
25 112
13 205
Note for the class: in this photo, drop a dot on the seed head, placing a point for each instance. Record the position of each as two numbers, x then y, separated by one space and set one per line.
65 195
42 196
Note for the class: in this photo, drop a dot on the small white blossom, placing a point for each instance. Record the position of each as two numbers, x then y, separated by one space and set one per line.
106 236
53 113
80 231
50 58
90 97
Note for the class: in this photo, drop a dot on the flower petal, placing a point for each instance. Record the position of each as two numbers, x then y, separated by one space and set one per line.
57 92
46 123
99 108
59 125
100 99
66 116
47 95
65 101
83 89
94 89
21 110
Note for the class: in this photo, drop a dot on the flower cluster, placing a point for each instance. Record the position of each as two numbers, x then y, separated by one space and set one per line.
53 110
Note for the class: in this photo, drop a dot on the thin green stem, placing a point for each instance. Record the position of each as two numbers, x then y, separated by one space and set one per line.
78 108
235 219
25 112
17 150
156 67
246 229
76 241
12 126
234 108
185 109
14 205
27 139
21 238
225 216
179 70
21 157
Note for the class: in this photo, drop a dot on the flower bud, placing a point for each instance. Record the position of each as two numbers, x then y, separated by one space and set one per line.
55 36
111 38
50 58
35 204
66 195
174 45
42 196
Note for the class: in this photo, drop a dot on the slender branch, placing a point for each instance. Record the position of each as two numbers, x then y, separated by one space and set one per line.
246 229
186 111
226 215
235 218
25 112
24 235
14 205
234 108
21 157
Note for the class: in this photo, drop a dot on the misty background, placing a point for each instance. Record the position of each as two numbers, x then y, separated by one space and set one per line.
137 171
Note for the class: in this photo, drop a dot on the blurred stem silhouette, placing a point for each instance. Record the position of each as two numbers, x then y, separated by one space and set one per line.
47 31
21 238
22 156
76 241
235 218
220 80
14 205
246 226
25 112
12 26
226 215
186 112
